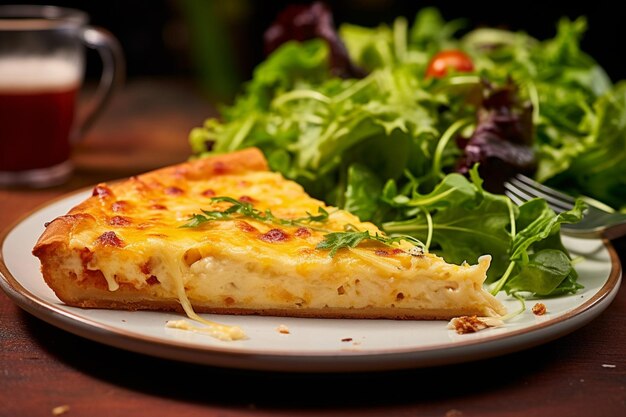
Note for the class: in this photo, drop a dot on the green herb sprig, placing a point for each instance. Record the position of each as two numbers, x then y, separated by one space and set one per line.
246 209
351 239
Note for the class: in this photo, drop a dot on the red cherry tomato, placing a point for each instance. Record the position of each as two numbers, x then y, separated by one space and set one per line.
453 59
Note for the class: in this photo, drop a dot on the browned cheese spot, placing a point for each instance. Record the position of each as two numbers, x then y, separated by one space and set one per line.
274 236
173 191
120 206
102 191
303 232
119 221
110 239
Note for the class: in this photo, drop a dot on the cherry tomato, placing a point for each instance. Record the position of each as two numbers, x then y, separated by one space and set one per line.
449 59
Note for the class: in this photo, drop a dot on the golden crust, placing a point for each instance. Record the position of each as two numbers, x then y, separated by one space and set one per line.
57 233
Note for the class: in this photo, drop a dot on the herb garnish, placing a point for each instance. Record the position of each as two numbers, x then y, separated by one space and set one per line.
334 241
350 239
246 209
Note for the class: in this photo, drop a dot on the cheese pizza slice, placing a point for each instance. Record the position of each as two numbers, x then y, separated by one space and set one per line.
226 235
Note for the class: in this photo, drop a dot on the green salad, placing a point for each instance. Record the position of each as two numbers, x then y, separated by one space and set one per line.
415 127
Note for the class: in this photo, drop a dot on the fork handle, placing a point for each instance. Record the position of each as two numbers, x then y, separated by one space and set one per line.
583 234
611 232
615 231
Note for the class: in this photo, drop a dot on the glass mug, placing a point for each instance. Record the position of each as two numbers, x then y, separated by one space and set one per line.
42 61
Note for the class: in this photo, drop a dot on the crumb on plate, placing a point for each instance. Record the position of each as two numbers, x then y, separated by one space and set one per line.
473 324
539 309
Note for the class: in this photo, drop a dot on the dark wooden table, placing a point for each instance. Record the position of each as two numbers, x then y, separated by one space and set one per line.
43 367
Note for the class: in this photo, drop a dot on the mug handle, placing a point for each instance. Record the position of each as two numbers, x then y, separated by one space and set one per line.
113 69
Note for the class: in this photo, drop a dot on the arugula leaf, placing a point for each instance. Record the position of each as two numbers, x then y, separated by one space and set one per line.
544 273
537 222
539 233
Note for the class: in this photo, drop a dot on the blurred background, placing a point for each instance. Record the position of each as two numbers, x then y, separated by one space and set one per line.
217 44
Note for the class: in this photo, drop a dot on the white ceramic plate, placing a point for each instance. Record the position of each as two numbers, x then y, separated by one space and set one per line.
312 345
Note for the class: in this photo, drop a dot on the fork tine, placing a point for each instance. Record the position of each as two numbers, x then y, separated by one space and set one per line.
527 194
525 188
599 221
521 195
546 190
514 194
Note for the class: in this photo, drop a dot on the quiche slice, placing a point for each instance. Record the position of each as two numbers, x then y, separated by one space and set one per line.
225 235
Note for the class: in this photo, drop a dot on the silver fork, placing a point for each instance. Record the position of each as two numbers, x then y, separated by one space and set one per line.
599 221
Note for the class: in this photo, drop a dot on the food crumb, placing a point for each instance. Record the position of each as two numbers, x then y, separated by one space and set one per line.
472 324
62 409
282 329
608 365
539 309
466 324
346 339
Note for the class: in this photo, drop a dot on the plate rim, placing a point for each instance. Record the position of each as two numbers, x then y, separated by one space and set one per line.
263 360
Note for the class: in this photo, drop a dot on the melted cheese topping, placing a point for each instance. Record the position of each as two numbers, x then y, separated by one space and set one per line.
136 238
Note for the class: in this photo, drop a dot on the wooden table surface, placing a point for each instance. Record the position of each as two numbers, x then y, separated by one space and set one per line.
43 367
